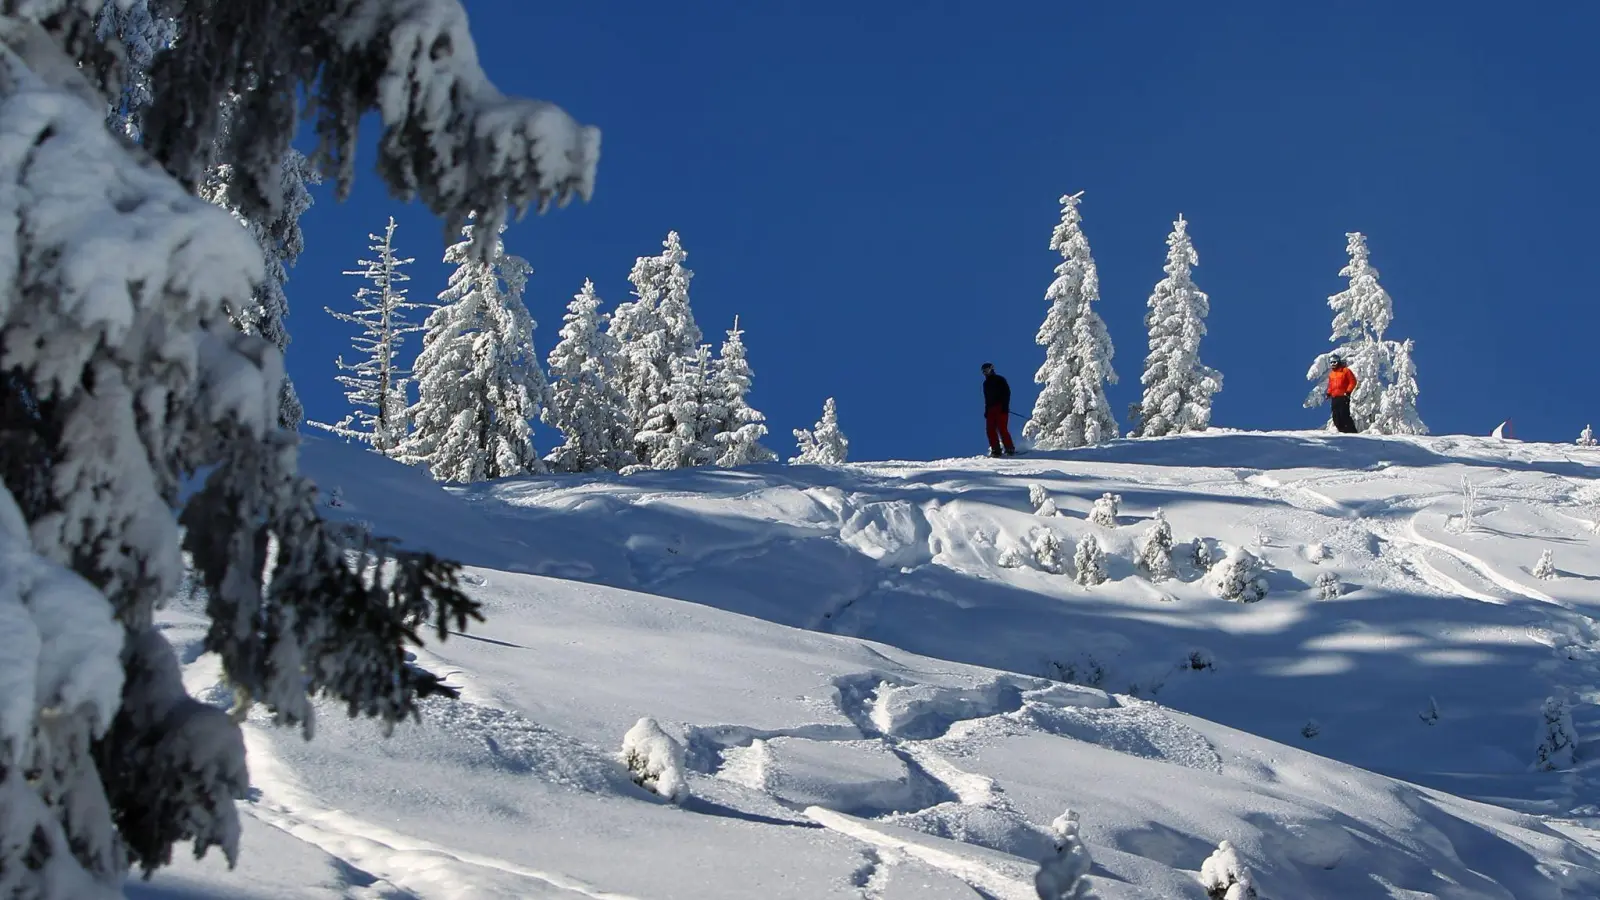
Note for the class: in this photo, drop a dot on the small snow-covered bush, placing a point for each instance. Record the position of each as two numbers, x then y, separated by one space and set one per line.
1089 562
1317 552
1201 556
1469 507
1546 567
1011 558
1586 439
1064 874
1557 738
1237 577
1047 551
1105 510
1155 551
1041 501
1225 877
655 760
1328 586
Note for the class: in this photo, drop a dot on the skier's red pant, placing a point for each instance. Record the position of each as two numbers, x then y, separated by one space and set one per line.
998 420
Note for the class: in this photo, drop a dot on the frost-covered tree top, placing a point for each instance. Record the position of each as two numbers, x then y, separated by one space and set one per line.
585 402
824 444
479 384
1177 387
1397 408
1586 437
375 385
127 395
739 431
1072 409
1362 311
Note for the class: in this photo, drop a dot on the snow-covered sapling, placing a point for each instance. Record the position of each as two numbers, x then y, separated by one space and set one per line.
1586 438
586 404
1328 586
1105 510
1155 550
1089 562
1047 551
1545 568
1237 577
655 760
1430 715
1064 874
824 445
1557 739
1041 501
1011 557
1225 877
1201 556
1469 506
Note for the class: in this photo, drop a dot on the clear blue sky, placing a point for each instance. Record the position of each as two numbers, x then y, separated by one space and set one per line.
872 188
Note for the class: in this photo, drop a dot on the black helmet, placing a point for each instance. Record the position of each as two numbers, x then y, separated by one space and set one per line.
1336 360
988 367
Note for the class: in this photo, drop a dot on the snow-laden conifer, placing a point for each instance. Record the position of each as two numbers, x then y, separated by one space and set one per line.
1041 501
652 330
1064 874
824 444
740 428
585 404
1586 437
1072 409
1238 577
126 396
375 386
1225 876
1201 556
678 432
1155 550
655 760
1046 546
479 384
1328 586
1545 568
1397 408
1089 562
1556 740
1106 509
1178 387
143 33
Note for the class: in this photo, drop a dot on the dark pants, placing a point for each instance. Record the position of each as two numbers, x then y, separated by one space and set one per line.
1341 415
998 420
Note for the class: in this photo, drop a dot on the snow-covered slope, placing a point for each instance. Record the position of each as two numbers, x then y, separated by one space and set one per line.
872 695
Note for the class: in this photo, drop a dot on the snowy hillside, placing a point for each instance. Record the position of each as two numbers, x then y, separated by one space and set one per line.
868 668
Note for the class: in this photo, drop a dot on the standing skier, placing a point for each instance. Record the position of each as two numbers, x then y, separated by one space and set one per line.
997 411
1341 384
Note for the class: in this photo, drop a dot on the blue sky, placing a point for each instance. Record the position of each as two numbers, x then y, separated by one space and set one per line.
872 187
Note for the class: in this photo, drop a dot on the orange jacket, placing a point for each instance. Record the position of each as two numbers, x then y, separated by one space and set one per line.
1341 382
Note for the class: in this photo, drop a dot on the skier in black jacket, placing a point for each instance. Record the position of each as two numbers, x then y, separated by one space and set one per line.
997 411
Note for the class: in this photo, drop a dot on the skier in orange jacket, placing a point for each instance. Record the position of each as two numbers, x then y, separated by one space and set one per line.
1341 384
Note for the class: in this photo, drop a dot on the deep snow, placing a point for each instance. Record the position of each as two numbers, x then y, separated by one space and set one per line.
873 705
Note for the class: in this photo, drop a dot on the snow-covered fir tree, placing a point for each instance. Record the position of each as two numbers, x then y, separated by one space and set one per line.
585 404
739 431
1238 577
1328 586
277 230
1177 387
679 430
652 330
1397 408
1155 550
1046 546
479 384
1089 562
142 34
1106 509
1556 740
1072 409
1225 876
1385 399
127 396
824 444
1586 437
1545 568
1043 504
375 386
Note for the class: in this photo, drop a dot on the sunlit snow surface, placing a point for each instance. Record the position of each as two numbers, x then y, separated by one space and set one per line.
872 706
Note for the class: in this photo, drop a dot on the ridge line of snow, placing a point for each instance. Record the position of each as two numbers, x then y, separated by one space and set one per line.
993 883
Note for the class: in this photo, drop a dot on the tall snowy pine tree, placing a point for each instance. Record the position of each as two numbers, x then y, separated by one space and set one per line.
479 385
585 403
376 385
739 431
653 330
1362 313
1177 386
680 430
1072 409
125 394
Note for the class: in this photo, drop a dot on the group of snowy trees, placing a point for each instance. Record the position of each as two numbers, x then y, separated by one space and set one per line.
1072 409
143 403
635 389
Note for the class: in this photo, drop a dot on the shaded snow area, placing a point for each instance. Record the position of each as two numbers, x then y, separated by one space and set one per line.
862 682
